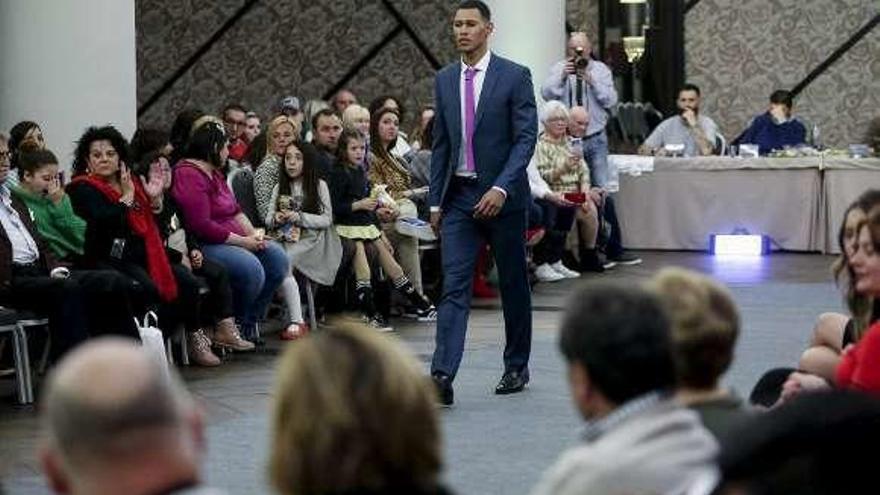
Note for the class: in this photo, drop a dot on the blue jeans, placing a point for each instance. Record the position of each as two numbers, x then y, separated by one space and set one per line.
254 276
596 156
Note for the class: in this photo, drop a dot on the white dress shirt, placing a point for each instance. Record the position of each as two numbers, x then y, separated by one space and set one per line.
24 248
479 77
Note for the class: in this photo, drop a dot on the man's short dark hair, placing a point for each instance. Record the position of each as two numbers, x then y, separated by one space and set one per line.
782 97
233 107
690 87
324 112
621 336
485 13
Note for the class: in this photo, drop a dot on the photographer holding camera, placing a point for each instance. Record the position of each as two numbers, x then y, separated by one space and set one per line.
579 81
586 87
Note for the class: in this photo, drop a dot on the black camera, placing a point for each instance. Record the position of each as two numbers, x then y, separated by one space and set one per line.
580 61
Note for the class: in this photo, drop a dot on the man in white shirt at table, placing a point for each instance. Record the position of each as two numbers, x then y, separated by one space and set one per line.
687 134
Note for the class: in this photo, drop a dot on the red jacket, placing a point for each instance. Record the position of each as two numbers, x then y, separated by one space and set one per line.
860 367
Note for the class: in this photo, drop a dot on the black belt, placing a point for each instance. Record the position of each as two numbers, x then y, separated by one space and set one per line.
591 136
466 179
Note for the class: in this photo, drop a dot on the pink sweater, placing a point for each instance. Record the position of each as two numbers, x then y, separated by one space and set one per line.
206 203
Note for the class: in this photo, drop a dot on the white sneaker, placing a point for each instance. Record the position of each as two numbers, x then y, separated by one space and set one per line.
413 227
564 270
546 273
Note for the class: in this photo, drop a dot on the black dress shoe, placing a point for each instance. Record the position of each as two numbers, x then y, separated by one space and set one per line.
512 382
443 384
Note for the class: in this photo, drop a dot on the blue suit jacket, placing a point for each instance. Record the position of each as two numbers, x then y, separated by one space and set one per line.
504 136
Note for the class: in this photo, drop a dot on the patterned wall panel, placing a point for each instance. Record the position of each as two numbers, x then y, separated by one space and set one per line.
283 47
584 14
739 51
384 73
432 22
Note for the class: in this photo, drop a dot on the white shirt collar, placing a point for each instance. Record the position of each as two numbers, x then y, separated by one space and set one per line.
482 65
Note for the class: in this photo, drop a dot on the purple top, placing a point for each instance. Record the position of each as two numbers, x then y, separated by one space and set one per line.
207 204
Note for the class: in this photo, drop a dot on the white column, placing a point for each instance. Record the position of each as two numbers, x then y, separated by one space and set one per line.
531 33
68 65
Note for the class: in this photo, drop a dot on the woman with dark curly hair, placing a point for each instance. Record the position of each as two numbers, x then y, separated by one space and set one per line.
121 232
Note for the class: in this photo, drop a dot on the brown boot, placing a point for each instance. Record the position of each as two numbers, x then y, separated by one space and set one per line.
200 349
226 335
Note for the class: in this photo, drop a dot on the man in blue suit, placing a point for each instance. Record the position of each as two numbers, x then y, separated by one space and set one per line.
485 129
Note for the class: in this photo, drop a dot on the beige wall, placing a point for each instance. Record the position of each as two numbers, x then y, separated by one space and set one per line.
739 51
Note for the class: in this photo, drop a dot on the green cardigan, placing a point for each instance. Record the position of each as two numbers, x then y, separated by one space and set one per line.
59 226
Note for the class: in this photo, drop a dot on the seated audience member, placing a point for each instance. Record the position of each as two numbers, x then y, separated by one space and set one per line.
289 106
564 170
368 426
40 189
256 266
343 99
178 136
402 147
310 109
121 232
25 134
300 218
327 127
282 131
251 128
578 123
860 365
390 170
234 116
189 266
691 129
835 331
775 129
78 303
812 446
616 342
356 221
416 138
146 140
358 117
117 421
705 325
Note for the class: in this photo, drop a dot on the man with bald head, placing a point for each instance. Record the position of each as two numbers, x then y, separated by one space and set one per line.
117 422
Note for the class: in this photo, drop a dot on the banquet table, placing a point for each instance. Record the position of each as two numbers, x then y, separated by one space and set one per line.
677 203
844 180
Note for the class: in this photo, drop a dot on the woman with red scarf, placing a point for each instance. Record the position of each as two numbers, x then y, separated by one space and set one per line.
121 232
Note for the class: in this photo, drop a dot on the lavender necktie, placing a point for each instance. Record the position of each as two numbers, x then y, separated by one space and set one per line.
469 117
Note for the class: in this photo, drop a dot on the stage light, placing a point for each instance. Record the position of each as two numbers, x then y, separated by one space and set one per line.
738 245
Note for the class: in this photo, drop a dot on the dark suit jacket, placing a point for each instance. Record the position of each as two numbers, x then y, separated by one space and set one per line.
504 136
46 260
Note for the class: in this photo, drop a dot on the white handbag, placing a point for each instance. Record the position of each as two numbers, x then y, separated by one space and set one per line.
151 337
